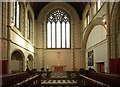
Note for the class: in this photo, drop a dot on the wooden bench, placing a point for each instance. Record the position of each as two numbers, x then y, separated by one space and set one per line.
36 79
109 79
88 82
32 81
12 79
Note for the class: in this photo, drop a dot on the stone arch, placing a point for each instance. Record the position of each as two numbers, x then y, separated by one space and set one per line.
17 61
115 31
30 61
75 32
51 6
97 21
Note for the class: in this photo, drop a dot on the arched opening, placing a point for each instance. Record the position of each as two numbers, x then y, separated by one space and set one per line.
30 61
96 49
97 21
68 56
16 62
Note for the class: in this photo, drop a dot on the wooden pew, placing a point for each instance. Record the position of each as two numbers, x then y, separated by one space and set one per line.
88 82
72 74
109 79
32 81
12 79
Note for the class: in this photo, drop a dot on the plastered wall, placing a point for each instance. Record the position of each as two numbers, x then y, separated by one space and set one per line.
98 43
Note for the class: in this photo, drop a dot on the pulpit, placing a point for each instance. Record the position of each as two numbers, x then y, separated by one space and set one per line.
59 68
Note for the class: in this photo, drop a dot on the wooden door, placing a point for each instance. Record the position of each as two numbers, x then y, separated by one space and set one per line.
100 67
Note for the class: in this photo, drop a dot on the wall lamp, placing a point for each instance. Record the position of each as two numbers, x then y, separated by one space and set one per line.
104 21
12 22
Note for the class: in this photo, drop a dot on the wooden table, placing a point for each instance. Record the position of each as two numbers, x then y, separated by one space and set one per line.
59 68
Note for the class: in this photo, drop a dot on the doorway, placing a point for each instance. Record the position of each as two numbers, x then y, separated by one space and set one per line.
100 67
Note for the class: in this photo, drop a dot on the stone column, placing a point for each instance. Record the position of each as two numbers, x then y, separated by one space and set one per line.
108 33
73 46
9 21
42 45
0 39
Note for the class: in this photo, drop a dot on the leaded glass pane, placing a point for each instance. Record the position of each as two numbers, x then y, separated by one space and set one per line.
14 12
67 35
18 15
58 35
49 35
53 34
63 34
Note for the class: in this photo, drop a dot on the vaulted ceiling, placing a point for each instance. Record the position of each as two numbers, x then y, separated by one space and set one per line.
78 6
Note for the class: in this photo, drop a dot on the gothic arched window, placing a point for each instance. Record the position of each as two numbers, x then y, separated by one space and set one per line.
99 4
17 14
28 25
58 29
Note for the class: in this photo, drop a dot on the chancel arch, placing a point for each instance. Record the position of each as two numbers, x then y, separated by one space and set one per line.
58 56
17 61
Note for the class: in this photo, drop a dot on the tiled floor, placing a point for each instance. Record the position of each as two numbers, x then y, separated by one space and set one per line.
59 86
59 83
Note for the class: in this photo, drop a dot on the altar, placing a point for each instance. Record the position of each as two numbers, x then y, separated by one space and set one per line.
59 68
